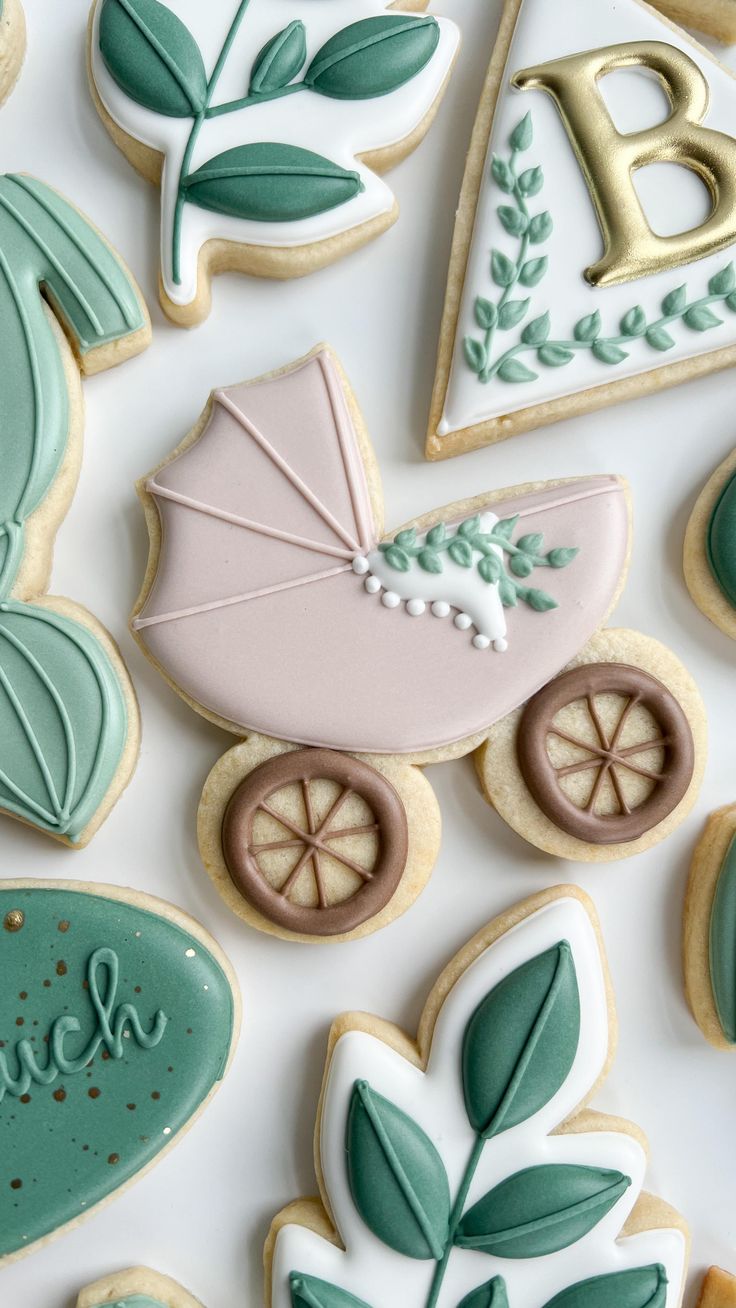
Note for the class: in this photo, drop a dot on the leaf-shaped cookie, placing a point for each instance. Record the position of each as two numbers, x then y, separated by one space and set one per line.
153 57
63 720
373 56
268 182
133 1012
397 1178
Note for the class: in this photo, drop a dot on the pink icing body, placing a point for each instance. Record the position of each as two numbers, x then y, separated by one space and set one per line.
257 615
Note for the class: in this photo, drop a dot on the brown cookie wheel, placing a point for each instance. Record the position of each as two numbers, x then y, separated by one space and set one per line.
606 752
316 841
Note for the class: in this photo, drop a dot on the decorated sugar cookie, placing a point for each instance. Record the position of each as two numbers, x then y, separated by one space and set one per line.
463 1167
718 1289
12 44
118 1018
138 1287
594 248
68 716
371 654
267 122
710 548
709 938
716 17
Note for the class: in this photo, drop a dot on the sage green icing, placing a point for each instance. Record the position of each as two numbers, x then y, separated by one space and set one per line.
153 57
310 1292
133 1301
540 1210
521 1042
161 1022
722 945
640 1287
280 59
373 56
491 1295
397 1178
470 547
268 182
63 719
720 541
45 242
488 355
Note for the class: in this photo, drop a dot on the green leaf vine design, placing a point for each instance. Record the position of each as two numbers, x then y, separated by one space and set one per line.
470 547
156 61
535 338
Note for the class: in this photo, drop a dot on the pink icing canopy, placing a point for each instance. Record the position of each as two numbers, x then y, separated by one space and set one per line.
256 613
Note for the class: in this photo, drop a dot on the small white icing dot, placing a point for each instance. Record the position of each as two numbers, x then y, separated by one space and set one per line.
360 565
390 599
443 428
500 645
416 608
167 1130
205 987
190 953
372 585
440 609
463 621
481 642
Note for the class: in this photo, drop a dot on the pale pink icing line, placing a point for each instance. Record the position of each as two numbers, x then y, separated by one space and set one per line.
259 528
353 464
283 467
605 488
195 610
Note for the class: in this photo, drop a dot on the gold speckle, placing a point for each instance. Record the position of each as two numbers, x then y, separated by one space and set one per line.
14 919
19 1021
25 1099
64 926
155 1094
61 968
16 1184
113 1159
60 1095
23 994
93 1092
130 1108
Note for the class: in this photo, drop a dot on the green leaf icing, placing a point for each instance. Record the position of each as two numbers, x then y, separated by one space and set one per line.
45 242
280 59
491 1295
373 56
268 182
153 57
310 1292
63 721
641 1287
520 1043
722 945
159 1008
397 1178
540 1210
507 272
720 542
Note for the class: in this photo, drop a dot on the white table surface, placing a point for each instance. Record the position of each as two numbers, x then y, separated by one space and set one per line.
202 1215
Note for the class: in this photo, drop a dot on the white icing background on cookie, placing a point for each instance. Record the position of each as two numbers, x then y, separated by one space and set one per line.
672 197
339 129
202 1214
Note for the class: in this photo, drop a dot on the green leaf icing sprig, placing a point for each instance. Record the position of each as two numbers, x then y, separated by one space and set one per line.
470 547
535 341
156 61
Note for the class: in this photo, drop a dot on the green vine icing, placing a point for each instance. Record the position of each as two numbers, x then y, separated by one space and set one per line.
470 547
155 60
488 356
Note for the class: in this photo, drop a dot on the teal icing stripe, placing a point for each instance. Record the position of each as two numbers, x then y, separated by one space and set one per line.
722 943
720 543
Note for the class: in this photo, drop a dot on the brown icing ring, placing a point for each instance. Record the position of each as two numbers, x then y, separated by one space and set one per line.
542 778
302 766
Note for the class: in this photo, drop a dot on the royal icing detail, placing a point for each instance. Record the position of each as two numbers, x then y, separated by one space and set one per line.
448 1185
63 716
116 1023
275 492
264 110
597 270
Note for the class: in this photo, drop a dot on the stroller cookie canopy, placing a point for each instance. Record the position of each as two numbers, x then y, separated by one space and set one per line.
276 607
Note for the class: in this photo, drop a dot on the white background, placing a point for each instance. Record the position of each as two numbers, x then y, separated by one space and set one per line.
203 1214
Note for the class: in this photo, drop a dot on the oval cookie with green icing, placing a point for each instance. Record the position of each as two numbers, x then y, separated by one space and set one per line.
709 930
119 1016
273 119
12 45
709 557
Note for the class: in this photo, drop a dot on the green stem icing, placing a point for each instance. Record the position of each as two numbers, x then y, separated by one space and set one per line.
194 136
455 1218
257 97
536 337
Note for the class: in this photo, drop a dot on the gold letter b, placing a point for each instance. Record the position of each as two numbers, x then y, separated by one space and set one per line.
608 159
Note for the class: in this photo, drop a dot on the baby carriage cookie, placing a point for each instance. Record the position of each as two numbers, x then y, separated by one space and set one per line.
119 1016
69 725
12 45
593 257
709 558
274 604
464 1167
266 122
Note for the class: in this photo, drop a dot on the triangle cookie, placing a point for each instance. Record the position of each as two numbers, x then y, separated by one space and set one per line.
594 246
